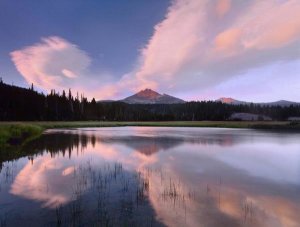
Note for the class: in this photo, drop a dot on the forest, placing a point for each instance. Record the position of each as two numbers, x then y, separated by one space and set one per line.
26 104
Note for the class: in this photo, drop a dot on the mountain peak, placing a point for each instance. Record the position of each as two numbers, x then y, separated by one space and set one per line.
148 96
147 90
148 93
227 100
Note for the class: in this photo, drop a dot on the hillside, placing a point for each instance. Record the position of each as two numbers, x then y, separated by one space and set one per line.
149 96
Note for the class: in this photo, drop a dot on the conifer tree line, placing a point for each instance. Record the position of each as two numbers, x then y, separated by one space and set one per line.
21 104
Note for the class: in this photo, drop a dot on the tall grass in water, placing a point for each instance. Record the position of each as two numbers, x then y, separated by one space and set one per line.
106 195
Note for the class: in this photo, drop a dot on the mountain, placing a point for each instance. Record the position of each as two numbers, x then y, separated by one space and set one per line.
282 103
149 96
231 101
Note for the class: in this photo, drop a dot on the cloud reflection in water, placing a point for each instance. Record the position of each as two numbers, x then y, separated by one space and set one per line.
215 177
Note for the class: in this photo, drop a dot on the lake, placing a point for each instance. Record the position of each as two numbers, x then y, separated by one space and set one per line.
154 176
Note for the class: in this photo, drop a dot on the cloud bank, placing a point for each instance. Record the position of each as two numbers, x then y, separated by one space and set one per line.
200 44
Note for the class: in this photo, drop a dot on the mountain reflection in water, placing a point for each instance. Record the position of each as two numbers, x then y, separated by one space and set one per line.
144 176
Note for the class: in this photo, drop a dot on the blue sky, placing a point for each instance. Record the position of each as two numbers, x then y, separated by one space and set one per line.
111 32
194 49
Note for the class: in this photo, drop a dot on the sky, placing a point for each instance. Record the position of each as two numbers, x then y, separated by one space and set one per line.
193 49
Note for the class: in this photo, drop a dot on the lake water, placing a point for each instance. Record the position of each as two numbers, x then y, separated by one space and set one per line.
154 176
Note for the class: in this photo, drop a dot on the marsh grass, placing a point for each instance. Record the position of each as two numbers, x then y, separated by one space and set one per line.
59 215
3 221
18 134
248 211
116 198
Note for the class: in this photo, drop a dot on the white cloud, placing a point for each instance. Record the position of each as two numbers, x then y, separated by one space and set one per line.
51 64
69 73
55 63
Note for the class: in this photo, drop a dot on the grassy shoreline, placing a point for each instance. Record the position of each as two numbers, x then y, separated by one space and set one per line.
18 133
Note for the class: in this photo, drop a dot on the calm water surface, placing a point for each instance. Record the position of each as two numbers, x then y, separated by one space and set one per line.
144 176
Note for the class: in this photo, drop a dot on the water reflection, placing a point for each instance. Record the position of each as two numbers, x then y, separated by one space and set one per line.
157 176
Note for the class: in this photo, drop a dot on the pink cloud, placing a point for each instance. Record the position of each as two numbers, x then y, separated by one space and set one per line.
227 40
191 50
172 43
222 7
194 48
270 24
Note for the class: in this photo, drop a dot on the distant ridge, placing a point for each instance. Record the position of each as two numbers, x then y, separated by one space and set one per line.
149 96
282 103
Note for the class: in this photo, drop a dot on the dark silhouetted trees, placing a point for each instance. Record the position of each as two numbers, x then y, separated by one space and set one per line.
28 105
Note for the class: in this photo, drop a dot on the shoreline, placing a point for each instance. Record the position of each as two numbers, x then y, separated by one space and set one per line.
14 134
